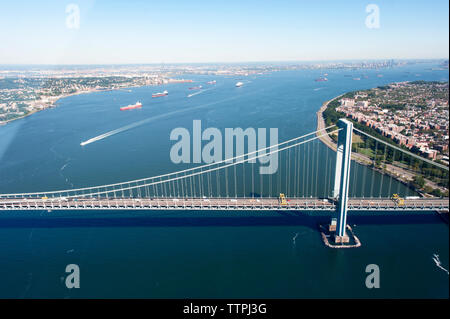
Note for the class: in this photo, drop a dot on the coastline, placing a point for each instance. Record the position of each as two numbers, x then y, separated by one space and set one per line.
57 98
401 175
325 138
52 105
328 141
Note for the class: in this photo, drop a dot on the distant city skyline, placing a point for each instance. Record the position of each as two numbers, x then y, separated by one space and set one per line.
315 63
154 32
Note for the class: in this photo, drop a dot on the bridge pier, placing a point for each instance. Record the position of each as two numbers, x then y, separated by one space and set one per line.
342 178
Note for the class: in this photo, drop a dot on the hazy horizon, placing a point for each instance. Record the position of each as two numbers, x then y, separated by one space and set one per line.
89 32
231 63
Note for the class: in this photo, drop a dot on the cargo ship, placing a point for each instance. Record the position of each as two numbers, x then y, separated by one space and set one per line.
239 84
160 94
131 106
195 88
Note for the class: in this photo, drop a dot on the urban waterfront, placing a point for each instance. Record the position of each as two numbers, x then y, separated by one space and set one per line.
198 254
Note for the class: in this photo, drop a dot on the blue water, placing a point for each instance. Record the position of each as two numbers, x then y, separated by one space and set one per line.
199 254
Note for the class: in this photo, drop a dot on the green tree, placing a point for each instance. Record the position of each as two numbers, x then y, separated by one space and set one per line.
436 192
418 181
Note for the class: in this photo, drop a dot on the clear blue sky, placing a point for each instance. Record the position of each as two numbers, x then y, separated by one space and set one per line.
148 31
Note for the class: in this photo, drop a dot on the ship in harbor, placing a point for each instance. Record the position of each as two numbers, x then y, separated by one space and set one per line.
131 106
195 87
239 84
160 94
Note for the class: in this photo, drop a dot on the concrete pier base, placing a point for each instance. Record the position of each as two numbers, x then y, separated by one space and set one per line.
341 239
345 241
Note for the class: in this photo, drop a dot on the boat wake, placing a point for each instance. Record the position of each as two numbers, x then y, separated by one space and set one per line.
64 166
113 132
161 116
437 261
196 93
294 238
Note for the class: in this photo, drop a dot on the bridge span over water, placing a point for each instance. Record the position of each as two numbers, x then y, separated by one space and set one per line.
307 178
299 204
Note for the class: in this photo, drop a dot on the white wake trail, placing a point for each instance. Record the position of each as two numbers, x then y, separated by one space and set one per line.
113 132
150 119
295 237
194 94
437 261
202 91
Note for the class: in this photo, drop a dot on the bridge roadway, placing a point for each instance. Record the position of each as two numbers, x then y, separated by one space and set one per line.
81 203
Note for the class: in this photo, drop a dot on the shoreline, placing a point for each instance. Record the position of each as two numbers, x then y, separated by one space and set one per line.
328 141
57 98
53 104
404 176
325 138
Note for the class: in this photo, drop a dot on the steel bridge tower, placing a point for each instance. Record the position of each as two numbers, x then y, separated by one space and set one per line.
342 177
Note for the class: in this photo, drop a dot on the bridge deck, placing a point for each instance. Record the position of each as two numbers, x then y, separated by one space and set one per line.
216 204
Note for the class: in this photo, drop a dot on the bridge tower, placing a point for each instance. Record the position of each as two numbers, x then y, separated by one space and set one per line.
342 177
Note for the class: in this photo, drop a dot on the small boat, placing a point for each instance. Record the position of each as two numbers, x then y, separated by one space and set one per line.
239 84
212 82
160 94
195 88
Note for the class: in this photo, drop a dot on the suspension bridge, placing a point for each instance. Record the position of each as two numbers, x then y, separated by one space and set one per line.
309 177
